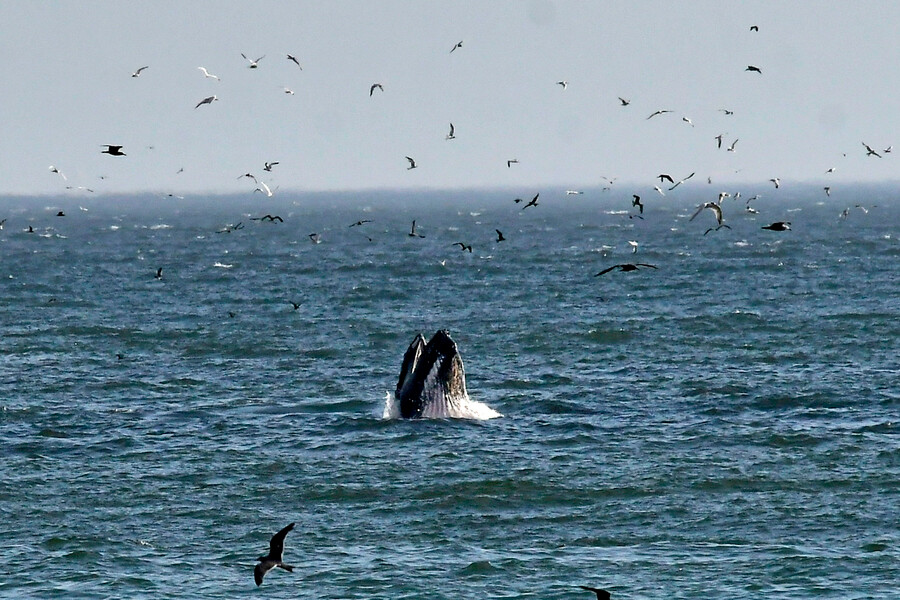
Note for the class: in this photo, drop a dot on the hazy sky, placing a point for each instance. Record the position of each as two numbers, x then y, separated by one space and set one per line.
830 81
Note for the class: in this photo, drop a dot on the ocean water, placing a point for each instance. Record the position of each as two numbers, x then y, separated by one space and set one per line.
724 426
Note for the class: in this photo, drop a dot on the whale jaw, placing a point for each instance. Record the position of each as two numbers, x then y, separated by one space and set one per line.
432 378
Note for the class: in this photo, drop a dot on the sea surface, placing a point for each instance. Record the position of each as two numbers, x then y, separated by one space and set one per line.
726 425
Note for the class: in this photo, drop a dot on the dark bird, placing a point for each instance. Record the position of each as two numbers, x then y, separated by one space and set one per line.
158 273
754 69
208 100
412 163
275 558
717 210
636 201
664 176
659 112
249 175
296 305
455 46
625 267
1 223
372 89
726 111
778 226
60 214
294 60
511 162
268 166
601 594
451 135
412 231
733 144
315 238
463 246
358 223
870 151
679 182
718 139
230 228
138 72
253 63
500 237
112 150
754 28
534 201
564 84
623 101
270 218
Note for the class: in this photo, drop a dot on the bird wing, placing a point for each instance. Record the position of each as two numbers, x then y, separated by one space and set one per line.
607 270
276 545
646 265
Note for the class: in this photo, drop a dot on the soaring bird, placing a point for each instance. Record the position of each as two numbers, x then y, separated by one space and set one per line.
659 190
636 201
412 163
778 226
601 594
358 223
776 181
451 135
625 267
754 28
733 144
463 246
680 181
624 101
253 63
753 69
58 172
827 190
208 100
511 162
564 84
268 166
208 74
688 121
534 201
500 237
112 150
372 89
659 112
275 558
264 189
664 176
456 45
294 60
869 151
138 72
412 231
717 210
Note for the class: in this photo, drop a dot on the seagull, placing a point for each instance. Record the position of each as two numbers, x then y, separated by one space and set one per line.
294 60
601 594
634 246
500 237
754 69
138 72
275 558
412 164
624 101
722 196
315 238
659 189
269 218
251 176
573 192
625 267
511 162
372 89
208 100
412 231
451 136
688 121
831 170
776 181
463 246
253 63
869 151
733 144
58 172
659 112
268 166
264 189
827 190
456 45
288 90
636 201
681 181
534 201
208 74
726 111
230 228
296 305
754 28
718 212
358 223
112 150
663 176
158 273
564 84
778 226
888 149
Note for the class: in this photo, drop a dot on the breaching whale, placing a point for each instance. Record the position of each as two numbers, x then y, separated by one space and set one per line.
432 378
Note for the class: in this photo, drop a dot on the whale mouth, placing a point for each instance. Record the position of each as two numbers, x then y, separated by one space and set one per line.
432 383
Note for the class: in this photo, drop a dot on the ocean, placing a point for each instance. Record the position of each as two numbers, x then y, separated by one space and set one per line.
725 425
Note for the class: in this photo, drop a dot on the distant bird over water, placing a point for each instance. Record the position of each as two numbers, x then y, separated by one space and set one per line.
275 557
412 231
870 151
113 150
500 237
625 267
533 202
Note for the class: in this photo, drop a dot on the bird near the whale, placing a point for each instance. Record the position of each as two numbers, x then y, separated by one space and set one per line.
625 267
601 593
113 150
275 557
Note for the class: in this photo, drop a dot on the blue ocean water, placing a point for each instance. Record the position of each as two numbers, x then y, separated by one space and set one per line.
724 426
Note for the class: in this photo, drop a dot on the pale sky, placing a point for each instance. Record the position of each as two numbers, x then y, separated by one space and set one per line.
830 81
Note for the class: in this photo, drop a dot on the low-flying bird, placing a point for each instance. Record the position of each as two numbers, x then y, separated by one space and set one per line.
534 201
296 306
870 151
138 72
500 237
269 218
680 181
451 135
250 176
717 210
294 60
275 557
412 231
625 267
112 150
659 112
264 189
601 594
827 190
665 176
573 192
253 63
778 226
776 181
208 74
623 101
511 162
372 89
412 163
456 45
358 223
753 69
636 201
463 246
315 238
208 100
634 246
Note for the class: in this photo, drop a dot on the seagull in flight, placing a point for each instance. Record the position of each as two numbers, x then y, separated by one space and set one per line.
534 201
372 89
625 267
275 557
663 176
753 69
688 121
451 136
564 84
253 63
659 190
112 150
870 151
623 101
511 162
268 166
636 201
359 223
827 190
456 45
500 237
658 112
412 231
288 90
208 74
776 181
463 246
251 176
573 192
681 181
717 210
58 172
294 60
601 594
726 111
264 189
208 100
733 144
412 164
138 72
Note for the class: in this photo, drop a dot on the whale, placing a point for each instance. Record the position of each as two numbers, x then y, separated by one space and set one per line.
432 378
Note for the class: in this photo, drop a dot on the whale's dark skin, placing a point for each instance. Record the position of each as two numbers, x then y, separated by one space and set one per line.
432 375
